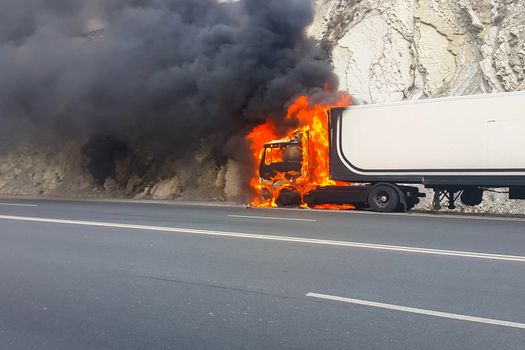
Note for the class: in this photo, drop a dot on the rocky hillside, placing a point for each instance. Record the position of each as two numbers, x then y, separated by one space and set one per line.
64 171
390 50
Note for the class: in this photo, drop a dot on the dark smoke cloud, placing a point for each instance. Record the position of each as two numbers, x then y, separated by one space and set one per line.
159 73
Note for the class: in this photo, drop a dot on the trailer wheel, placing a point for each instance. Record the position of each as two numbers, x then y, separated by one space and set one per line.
472 196
383 199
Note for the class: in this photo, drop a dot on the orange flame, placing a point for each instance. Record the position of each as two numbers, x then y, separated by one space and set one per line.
257 138
313 128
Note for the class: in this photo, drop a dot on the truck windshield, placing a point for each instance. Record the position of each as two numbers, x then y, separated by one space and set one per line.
283 158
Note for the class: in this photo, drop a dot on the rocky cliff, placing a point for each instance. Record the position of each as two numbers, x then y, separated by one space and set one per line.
390 50
64 171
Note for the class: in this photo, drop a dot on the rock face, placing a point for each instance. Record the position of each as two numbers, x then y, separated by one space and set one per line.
390 50
29 170
63 171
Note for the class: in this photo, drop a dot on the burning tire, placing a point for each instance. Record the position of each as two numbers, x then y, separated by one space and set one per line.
383 199
288 198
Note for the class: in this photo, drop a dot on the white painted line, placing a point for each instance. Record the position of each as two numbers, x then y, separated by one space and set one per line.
419 311
19 205
270 218
456 253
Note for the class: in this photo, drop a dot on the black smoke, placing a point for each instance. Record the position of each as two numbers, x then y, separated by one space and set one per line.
162 74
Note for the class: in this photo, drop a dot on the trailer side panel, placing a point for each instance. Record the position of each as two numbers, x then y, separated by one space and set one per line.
474 140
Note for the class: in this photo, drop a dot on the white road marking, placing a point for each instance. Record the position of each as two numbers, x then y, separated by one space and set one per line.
419 311
417 250
18 205
270 218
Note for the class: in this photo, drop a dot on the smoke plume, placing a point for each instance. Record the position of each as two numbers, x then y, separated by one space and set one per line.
159 73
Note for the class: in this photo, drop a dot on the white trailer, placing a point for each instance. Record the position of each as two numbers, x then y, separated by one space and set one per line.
458 146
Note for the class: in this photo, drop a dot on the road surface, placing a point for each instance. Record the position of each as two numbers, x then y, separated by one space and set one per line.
98 275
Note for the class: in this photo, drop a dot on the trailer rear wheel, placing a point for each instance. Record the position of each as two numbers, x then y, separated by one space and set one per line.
383 199
472 196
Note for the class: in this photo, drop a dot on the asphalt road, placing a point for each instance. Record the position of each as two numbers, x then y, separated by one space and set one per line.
93 275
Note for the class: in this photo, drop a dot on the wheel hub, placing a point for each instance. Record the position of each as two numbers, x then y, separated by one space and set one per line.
383 198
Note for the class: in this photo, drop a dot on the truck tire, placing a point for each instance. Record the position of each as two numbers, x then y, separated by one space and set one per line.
288 198
383 199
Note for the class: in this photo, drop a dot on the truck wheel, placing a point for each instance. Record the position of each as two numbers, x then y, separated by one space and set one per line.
288 198
383 199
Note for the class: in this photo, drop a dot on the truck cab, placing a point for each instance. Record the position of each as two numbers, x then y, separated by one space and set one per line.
281 165
282 157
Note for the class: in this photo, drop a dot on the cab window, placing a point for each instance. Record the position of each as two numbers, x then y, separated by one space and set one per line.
274 155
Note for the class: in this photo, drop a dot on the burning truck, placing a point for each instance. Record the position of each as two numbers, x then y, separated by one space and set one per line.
371 156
